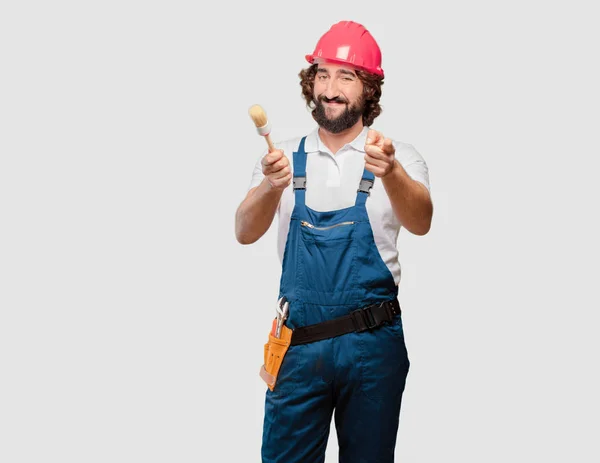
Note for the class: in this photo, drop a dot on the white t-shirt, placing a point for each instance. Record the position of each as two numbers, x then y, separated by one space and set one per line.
332 182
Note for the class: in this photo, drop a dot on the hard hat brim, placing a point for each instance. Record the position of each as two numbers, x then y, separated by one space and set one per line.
311 60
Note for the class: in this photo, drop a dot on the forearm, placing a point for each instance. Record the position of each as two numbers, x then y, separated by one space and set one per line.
410 200
255 214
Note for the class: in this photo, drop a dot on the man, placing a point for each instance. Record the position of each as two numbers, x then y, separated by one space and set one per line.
353 189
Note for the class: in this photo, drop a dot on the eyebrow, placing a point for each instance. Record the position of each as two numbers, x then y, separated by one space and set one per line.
339 71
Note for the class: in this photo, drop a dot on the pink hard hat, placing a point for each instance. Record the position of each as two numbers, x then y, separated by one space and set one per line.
348 42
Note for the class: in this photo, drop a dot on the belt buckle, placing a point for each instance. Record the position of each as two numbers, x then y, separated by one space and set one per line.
363 320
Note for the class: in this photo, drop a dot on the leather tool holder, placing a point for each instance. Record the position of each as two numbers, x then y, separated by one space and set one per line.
275 351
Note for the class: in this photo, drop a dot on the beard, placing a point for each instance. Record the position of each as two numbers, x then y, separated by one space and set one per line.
344 121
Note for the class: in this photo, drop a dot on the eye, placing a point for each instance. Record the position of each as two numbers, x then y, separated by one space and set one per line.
322 77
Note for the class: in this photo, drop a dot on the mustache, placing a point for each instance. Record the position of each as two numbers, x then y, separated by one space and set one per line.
337 99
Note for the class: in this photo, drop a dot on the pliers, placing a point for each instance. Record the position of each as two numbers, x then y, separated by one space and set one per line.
282 314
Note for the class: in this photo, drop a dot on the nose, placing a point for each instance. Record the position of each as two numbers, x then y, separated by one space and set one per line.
331 91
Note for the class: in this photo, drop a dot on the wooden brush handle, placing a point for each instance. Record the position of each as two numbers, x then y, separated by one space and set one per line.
270 143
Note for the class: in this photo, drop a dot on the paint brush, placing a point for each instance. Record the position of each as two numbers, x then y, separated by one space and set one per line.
261 122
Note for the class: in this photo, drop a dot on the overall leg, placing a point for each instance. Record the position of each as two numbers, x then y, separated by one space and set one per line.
298 411
369 395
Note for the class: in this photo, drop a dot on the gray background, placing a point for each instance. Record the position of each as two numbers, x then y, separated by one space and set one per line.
131 321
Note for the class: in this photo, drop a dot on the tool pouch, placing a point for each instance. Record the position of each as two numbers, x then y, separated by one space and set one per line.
275 351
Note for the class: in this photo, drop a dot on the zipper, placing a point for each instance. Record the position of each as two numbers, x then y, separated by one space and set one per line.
304 223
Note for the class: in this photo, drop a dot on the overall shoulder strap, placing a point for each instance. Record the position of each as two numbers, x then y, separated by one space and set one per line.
300 173
364 188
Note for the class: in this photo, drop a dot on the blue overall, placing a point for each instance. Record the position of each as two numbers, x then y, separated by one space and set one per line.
332 266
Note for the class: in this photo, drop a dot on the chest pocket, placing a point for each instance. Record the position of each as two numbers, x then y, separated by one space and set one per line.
326 258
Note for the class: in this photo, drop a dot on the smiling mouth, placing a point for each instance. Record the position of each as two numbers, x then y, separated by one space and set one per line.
334 103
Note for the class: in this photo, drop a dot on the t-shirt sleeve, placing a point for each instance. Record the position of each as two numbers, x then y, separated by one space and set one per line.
413 163
257 175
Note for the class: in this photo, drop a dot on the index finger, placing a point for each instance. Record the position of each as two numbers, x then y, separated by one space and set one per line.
374 137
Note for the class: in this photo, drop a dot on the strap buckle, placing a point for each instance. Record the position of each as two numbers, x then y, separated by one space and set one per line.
365 186
299 183
363 320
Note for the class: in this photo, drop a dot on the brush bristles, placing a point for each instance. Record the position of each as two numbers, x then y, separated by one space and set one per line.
258 116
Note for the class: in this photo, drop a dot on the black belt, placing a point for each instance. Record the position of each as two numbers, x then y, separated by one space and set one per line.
359 320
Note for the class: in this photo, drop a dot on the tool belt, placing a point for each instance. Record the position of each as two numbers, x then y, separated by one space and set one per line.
364 319
367 318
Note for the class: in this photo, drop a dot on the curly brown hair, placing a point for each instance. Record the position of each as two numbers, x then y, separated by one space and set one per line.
371 92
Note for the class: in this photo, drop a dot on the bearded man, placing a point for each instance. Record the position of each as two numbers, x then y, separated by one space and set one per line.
342 193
